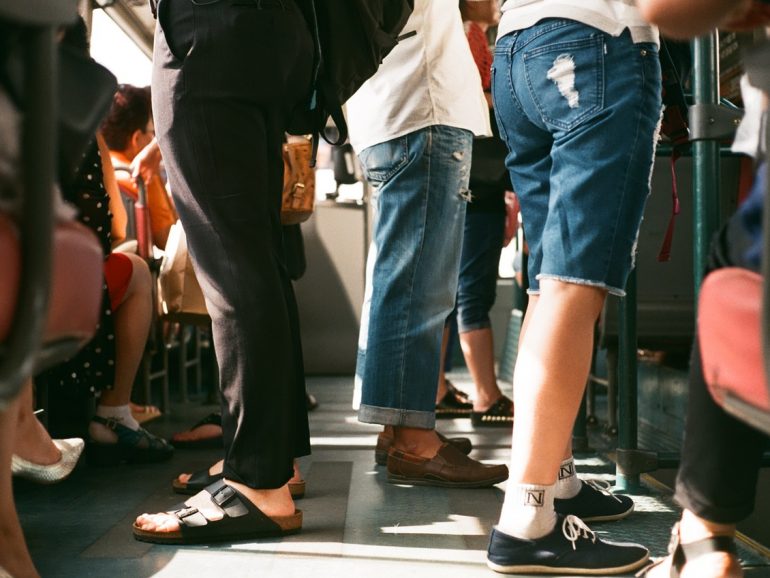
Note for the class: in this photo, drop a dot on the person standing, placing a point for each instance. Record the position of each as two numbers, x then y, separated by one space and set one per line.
226 78
576 86
412 125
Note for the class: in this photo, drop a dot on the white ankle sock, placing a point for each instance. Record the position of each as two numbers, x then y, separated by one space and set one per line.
568 485
528 511
120 413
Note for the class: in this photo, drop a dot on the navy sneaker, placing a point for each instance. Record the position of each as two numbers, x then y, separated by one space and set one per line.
571 548
595 503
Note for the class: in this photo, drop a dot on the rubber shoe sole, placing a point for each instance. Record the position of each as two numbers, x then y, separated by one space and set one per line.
571 548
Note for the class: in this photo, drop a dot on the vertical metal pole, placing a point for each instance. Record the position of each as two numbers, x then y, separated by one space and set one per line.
706 172
627 382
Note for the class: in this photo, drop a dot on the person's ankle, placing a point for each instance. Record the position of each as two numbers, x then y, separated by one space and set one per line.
34 444
420 442
693 528
441 390
274 502
484 400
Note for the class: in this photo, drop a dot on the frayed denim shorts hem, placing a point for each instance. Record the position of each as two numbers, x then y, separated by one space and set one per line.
579 110
598 284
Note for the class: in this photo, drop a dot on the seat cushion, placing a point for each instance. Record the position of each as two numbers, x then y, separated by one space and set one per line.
76 287
730 336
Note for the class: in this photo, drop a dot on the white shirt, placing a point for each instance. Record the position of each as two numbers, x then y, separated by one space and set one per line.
609 16
428 79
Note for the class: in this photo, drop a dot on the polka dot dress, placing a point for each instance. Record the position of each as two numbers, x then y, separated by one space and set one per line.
92 368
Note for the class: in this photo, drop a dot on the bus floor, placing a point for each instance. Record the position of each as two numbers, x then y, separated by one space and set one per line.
354 521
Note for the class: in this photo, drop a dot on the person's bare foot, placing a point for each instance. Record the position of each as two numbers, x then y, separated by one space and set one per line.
33 442
272 503
202 432
710 565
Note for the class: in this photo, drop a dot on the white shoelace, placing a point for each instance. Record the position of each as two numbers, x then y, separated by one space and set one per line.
574 528
602 486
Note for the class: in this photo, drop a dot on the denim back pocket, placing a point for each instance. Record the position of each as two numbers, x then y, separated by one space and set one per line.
566 80
381 161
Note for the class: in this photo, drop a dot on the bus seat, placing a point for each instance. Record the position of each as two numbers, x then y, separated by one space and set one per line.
730 337
75 291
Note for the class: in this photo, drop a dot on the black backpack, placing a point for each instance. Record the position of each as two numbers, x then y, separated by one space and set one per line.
352 37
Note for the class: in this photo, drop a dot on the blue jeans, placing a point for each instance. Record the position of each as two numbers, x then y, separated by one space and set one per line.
579 110
482 244
420 184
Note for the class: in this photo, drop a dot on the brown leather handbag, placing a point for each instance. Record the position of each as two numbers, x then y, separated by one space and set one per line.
298 183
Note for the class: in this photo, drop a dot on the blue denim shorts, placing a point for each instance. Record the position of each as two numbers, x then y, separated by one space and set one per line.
579 110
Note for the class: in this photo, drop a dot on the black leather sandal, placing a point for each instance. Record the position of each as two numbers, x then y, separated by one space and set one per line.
233 517
500 414
682 553
455 403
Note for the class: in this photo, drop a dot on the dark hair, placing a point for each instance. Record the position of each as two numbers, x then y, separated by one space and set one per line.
131 111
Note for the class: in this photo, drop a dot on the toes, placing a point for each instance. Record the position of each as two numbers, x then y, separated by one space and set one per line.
157 523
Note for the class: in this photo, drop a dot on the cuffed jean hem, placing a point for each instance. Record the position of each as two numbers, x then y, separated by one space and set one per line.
716 514
397 417
486 324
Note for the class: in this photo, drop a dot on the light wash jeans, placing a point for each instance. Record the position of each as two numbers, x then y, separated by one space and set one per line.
420 183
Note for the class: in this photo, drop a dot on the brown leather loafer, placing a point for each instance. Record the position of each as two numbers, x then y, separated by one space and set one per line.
384 442
449 468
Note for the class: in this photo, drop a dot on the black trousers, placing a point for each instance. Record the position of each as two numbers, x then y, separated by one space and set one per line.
721 455
226 76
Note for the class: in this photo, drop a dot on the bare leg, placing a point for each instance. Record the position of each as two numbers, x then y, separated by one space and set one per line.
132 324
478 350
442 389
32 440
14 556
550 376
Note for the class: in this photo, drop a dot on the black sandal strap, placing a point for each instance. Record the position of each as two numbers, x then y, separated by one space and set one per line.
709 545
238 514
683 553
201 479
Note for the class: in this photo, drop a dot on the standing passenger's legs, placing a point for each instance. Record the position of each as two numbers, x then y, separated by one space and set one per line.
581 134
220 127
420 181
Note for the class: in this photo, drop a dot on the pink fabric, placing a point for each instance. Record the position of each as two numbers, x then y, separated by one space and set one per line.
729 313
76 288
